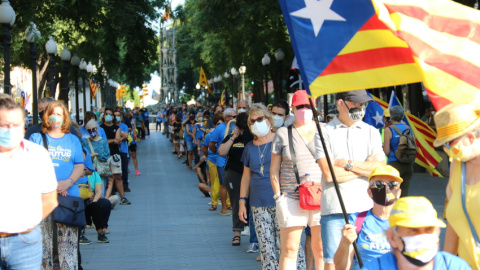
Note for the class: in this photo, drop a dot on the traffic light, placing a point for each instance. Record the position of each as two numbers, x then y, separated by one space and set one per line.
144 90
118 93
123 90
253 82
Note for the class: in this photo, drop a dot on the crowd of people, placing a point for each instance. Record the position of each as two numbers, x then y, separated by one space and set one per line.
243 160
256 164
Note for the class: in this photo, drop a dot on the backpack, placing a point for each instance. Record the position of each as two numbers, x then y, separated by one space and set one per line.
407 148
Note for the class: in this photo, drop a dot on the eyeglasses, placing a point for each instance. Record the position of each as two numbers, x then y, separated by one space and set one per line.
93 129
303 106
259 119
387 119
279 114
381 184
108 114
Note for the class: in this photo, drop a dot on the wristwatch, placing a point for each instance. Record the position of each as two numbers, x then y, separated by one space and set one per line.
349 166
276 196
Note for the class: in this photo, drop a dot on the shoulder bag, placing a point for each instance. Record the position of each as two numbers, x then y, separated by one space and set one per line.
310 192
101 167
70 210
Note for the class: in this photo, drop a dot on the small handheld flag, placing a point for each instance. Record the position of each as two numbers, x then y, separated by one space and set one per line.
203 81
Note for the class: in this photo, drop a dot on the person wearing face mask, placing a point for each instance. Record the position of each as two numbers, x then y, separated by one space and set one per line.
292 218
242 106
28 195
280 113
413 234
83 129
67 157
458 127
256 187
190 134
355 149
368 228
171 120
391 140
123 148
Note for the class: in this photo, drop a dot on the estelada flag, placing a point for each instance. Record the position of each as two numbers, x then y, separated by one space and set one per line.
93 87
203 81
444 39
223 99
341 45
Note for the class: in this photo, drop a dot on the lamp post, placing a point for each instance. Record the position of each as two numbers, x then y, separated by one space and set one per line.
280 55
51 48
7 19
242 71
65 55
234 72
226 75
83 68
265 63
198 88
75 62
32 35
90 70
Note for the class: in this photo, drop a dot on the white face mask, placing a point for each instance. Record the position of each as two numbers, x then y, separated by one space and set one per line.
241 110
277 121
420 249
11 137
260 129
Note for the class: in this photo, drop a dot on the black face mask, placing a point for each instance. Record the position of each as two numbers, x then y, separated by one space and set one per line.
41 114
380 195
192 117
356 114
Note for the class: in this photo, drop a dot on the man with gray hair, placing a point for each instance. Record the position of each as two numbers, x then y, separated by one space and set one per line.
242 106
392 136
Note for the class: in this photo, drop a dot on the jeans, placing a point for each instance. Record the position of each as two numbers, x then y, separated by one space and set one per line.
124 157
157 125
332 226
251 226
22 251
147 127
221 175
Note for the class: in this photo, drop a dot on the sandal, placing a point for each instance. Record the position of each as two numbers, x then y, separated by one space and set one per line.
229 207
236 241
213 208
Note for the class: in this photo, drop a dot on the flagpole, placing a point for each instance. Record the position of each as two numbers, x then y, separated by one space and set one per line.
334 179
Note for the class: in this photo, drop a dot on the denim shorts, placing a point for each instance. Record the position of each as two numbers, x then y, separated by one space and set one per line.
332 226
190 145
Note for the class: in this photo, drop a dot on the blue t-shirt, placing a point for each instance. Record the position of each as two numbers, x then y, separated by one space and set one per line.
394 141
164 112
190 127
211 156
184 117
88 165
443 260
217 137
85 134
124 145
199 132
138 120
66 152
261 192
372 241
146 115
159 117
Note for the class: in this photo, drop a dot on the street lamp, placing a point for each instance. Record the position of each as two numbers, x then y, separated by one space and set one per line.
234 72
279 56
242 71
90 70
265 63
83 68
75 62
198 88
65 56
7 19
32 35
51 48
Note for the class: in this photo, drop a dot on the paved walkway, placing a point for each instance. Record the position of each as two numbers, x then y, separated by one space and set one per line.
168 225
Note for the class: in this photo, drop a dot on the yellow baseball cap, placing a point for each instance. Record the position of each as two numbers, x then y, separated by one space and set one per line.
414 212
386 170
386 113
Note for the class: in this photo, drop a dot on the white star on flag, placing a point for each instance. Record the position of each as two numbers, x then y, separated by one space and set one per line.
318 12
378 118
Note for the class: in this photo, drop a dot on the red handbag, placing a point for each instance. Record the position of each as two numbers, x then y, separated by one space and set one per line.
309 193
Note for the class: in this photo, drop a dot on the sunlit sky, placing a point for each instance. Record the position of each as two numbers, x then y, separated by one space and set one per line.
154 83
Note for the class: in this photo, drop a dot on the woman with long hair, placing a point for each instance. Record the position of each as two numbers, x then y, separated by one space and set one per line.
67 157
177 140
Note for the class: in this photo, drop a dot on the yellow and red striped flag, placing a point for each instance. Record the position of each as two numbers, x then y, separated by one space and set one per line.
223 99
203 81
427 157
444 39
93 87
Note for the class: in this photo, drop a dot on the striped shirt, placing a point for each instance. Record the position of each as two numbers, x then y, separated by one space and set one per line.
304 158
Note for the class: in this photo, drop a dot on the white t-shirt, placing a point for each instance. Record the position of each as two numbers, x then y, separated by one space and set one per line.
355 143
25 177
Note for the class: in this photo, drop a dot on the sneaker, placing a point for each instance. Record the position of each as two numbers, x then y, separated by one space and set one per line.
126 189
125 201
137 172
253 248
102 238
83 240
246 231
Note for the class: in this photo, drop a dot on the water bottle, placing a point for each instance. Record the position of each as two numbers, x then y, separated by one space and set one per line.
307 177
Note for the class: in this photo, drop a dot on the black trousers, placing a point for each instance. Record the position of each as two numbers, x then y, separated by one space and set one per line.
124 157
147 127
406 173
233 180
99 212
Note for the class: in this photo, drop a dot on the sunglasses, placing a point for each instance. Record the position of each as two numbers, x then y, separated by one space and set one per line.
303 106
232 116
381 184
259 119
93 129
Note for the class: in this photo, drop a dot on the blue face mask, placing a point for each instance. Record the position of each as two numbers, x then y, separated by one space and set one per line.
93 133
118 118
101 115
108 118
11 137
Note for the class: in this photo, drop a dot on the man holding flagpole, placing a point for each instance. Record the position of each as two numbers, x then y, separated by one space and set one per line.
355 149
